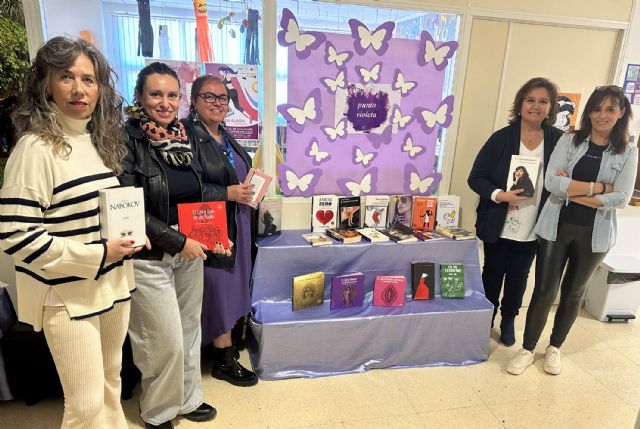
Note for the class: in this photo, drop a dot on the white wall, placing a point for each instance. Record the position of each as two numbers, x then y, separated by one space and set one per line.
69 17
632 56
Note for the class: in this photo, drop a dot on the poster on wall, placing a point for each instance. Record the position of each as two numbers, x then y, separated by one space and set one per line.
568 106
241 81
187 72
632 83
363 111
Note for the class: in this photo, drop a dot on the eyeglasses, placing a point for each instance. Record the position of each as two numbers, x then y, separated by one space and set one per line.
157 96
210 98
612 88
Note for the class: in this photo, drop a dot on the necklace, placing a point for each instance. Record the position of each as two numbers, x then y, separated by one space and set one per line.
531 139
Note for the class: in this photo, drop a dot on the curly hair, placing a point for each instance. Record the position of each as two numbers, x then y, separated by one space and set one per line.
530 85
35 113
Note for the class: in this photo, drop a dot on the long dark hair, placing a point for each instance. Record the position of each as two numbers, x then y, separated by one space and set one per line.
530 85
620 132
524 170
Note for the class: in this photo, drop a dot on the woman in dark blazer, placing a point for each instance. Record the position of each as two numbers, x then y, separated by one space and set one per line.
505 219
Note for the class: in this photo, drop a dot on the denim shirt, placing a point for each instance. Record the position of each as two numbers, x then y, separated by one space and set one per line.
616 169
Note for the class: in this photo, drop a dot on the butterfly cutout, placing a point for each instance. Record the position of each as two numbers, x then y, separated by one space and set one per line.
297 116
303 41
365 38
399 120
439 55
366 185
293 184
441 116
332 55
371 75
414 184
403 85
359 157
379 139
317 155
410 148
339 131
333 84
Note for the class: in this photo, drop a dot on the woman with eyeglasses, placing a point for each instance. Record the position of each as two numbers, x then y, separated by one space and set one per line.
165 312
226 278
591 173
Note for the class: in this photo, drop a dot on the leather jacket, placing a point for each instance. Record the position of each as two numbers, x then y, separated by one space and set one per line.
144 168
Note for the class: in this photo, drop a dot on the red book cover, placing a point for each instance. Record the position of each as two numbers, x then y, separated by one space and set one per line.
424 213
388 291
205 222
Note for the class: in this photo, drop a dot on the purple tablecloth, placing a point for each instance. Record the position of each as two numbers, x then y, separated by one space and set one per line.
318 341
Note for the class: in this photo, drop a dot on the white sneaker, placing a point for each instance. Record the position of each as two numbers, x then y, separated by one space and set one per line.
552 361
520 361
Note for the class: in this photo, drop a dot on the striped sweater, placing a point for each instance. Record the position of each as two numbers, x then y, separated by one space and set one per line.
49 224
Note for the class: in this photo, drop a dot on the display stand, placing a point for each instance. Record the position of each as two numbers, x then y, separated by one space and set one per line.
318 341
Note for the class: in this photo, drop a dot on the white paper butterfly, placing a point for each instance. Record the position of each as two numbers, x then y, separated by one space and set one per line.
338 131
302 183
358 188
315 151
370 75
334 84
400 120
366 38
438 56
339 58
307 112
363 158
302 40
439 116
403 85
409 147
416 184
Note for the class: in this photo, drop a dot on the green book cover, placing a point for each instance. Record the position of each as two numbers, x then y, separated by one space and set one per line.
452 280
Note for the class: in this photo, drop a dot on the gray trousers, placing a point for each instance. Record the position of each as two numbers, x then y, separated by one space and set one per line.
165 336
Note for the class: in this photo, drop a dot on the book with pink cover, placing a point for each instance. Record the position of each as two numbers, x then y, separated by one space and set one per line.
260 182
388 291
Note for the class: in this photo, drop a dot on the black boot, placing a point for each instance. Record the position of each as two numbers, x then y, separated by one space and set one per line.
227 368
507 333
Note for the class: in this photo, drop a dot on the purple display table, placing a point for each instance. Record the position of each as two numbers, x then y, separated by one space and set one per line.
317 341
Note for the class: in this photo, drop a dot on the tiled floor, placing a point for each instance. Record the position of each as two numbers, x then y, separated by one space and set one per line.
599 388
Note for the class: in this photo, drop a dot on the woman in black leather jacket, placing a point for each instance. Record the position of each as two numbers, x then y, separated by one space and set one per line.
165 312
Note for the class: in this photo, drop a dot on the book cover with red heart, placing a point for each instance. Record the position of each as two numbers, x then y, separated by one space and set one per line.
324 212
205 222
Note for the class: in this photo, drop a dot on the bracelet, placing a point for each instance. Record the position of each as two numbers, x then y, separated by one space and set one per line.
590 192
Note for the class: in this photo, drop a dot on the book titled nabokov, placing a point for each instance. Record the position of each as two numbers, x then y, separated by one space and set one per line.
122 214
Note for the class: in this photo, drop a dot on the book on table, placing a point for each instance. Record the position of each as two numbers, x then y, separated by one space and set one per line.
456 233
429 235
423 280
400 210
452 280
122 214
346 236
388 291
376 208
307 290
447 213
260 182
324 212
349 212
316 239
400 233
205 222
269 216
424 213
373 235
347 291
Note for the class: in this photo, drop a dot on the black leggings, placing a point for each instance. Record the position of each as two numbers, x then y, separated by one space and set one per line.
572 249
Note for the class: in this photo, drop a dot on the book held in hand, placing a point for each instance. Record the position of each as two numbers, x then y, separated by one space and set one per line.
523 174
316 239
388 291
324 212
122 214
307 290
400 233
269 216
452 280
448 211
346 236
347 291
423 280
373 235
456 233
205 222
260 182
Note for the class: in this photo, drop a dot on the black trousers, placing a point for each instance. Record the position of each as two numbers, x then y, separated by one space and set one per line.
571 250
508 262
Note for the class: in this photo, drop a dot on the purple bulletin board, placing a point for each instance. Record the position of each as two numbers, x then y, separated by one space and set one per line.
363 110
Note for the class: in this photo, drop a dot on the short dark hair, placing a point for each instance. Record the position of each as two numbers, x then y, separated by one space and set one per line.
530 85
153 68
197 85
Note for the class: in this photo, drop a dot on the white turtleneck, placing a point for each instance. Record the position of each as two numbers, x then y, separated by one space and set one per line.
50 226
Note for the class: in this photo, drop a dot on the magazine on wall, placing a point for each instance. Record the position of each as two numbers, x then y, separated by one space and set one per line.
523 174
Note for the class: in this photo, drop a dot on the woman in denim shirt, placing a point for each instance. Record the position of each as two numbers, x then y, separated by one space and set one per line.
591 173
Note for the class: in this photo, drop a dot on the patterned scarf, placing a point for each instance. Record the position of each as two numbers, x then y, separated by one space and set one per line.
171 142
